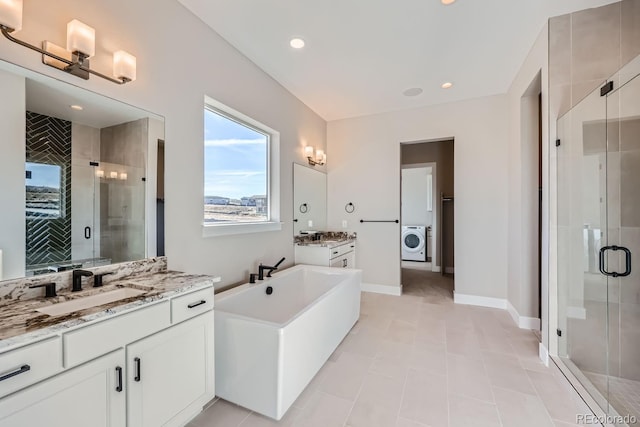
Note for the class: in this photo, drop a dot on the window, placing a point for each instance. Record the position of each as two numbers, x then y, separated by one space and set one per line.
43 195
239 176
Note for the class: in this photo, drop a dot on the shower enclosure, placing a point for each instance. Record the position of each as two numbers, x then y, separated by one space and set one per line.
598 183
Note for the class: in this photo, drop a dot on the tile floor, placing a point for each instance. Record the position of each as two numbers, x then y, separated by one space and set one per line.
419 360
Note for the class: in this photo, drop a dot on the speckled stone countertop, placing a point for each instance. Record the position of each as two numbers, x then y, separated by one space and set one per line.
329 239
326 243
21 324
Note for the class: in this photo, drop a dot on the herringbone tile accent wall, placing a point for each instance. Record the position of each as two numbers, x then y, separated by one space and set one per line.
49 142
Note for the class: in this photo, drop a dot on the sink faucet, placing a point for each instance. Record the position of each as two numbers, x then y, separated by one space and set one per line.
262 268
77 279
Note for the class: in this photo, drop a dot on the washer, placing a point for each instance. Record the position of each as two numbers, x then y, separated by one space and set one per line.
414 243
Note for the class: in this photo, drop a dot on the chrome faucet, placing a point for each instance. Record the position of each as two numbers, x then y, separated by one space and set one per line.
77 279
262 268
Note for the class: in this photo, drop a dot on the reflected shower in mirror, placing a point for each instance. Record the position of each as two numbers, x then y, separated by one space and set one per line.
309 200
74 177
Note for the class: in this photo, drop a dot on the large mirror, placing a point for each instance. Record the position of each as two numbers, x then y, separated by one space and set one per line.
78 170
309 200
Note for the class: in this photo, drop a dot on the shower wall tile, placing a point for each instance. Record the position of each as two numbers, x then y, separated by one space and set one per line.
595 43
560 64
581 89
630 130
630 341
630 27
630 285
629 194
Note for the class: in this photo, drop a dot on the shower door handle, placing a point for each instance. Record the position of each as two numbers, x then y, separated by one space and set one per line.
627 256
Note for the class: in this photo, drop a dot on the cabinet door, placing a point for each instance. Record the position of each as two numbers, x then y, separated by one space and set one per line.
350 260
345 261
171 374
89 395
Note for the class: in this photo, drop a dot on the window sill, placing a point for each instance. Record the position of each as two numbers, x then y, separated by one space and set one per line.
213 230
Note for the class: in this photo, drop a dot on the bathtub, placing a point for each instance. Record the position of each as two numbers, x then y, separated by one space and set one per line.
269 347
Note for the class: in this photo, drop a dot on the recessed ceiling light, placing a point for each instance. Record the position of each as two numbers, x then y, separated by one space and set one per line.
447 85
447 1
297 43
76 107
414 91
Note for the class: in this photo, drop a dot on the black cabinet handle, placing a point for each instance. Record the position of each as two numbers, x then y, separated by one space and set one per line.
335 252
87 232
137 376
627 256
119 379
195 304
21 370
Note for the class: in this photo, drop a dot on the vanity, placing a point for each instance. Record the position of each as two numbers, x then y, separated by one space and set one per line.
330 252
80 190
144 360
325 248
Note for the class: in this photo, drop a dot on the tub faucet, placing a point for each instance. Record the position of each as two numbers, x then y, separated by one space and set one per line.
262 268
77 279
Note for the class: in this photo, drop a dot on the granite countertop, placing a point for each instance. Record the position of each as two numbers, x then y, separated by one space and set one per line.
20 323
328 243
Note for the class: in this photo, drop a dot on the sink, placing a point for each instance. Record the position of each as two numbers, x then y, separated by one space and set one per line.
90 301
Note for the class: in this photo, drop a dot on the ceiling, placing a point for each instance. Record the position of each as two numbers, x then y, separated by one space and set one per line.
360 55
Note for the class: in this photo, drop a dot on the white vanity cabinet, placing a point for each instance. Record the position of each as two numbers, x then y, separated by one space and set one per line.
171 374
90 395
341 255
148 367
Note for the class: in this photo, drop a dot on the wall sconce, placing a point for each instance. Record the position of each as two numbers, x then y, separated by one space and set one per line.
319 159
100 173
80 47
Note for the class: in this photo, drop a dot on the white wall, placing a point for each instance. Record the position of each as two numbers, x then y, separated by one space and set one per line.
415 196
180 60
523 197
372 183
12 187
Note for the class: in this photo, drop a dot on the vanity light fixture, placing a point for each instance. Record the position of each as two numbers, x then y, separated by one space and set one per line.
113 175
123 176
100 173
320 157
80 47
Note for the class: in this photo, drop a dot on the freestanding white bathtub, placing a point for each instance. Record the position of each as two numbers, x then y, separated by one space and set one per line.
269 347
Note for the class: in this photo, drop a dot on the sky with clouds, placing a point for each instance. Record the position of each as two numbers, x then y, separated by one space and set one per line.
234 158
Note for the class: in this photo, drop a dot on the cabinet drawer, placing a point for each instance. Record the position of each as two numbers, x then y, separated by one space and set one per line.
342 249
95 340
27 365
187 306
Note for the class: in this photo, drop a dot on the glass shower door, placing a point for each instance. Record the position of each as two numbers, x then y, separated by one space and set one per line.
619 256
583 335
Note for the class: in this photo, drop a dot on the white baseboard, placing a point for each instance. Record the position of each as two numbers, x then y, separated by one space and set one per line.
543 353
436 269
450 270
577 313
523 322
381 289
481 301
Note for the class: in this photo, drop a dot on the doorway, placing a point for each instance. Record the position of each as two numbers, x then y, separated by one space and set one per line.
427 211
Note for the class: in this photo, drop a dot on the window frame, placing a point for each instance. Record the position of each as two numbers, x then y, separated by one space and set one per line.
272 170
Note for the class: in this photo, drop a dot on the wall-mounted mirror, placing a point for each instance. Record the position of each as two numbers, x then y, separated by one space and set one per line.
77 177
309 199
